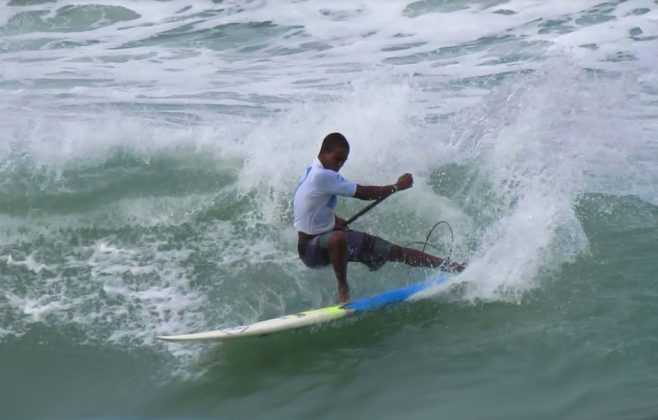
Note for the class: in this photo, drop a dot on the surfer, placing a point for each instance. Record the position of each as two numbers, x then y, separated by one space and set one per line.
324 238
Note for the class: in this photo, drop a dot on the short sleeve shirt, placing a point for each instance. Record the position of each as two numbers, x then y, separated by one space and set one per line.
314 205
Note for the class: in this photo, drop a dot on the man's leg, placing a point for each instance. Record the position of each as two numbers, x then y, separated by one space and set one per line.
418 258
413 257
338 257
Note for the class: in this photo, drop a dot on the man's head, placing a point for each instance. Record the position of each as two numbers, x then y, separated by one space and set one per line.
334 151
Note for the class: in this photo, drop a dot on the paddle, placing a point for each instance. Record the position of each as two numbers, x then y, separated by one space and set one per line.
366 209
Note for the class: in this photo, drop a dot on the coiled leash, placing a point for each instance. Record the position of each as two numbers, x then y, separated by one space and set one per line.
445 266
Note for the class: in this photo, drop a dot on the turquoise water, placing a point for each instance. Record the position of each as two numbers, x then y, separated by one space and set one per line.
150 149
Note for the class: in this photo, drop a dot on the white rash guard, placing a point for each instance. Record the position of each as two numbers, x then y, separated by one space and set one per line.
314 205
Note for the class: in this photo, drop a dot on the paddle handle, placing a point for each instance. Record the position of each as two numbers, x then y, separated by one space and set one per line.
366 209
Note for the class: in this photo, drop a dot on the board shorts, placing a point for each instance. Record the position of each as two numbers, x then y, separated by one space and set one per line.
361 247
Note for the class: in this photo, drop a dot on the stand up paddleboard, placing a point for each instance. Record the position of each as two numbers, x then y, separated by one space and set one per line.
306 318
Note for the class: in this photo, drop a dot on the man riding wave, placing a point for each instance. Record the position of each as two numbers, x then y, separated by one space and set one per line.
323 237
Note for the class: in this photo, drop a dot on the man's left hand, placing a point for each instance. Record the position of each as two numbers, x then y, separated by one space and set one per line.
405 181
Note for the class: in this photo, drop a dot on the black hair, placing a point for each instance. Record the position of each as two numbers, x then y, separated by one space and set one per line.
334 141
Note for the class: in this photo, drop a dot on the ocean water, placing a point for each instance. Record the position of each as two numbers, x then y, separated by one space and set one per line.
148 155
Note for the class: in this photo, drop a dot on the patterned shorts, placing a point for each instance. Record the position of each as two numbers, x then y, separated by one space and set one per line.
361 247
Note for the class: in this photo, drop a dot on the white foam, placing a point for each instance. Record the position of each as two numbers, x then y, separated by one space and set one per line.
36 309
5 332
542 141
357 41
29 263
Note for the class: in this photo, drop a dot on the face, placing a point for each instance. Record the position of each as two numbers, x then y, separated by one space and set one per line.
335 159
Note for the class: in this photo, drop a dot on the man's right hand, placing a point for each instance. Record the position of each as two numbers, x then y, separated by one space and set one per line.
405 181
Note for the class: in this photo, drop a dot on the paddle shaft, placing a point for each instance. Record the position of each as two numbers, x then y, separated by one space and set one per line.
366 209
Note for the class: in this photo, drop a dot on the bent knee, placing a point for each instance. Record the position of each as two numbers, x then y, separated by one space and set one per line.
338 240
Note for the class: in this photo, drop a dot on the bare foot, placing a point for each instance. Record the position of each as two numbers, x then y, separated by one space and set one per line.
456 267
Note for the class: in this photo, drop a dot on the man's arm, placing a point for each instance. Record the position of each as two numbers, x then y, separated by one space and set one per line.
376 192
